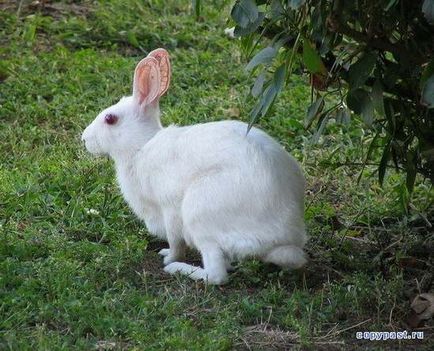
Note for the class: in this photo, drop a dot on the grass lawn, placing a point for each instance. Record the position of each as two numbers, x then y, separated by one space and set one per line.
79 272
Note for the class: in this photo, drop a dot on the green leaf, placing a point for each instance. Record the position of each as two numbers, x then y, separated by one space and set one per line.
360 102
383 162
263 104
321 125
29 32
371 147
250 28
258 85
377 97
295 4
247 43
343 116
361 70
428 10
269 95
255 113
311 59
196 6
356 99
276 9
410 170
368 111
428 93
279 77
390 4
313 110
4 70
264 56
273 89
404 197
132 39
245 12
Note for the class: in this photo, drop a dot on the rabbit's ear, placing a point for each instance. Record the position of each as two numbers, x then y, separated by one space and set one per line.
162 56
146 87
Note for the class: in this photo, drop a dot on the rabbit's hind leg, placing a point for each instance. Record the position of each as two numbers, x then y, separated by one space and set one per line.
286 256
214 263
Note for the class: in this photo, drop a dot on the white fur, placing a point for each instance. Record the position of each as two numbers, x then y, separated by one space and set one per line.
230 32
207 186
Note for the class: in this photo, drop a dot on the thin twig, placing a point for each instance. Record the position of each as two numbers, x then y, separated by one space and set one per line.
19 9
345 329
391 312
428 223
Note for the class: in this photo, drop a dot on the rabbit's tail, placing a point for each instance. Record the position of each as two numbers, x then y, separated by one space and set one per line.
286 256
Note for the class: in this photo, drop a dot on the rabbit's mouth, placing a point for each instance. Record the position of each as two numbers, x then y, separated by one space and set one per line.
93 147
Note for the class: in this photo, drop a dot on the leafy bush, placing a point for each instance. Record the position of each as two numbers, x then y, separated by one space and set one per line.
376 56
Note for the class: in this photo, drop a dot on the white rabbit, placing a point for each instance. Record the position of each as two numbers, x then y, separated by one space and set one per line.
207 186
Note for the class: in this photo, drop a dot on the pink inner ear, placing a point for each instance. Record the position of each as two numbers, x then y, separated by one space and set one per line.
146 81
162 57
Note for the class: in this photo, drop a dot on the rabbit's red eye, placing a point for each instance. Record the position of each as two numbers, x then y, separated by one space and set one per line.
111 118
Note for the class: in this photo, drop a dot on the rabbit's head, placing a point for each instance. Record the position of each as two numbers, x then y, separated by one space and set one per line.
122 129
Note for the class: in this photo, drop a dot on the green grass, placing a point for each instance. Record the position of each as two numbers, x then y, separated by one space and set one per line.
79 272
